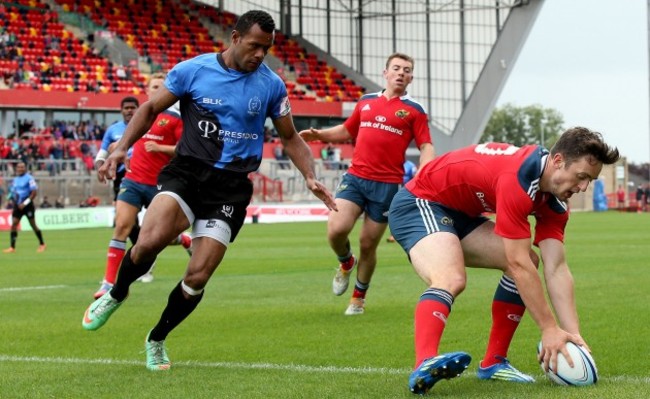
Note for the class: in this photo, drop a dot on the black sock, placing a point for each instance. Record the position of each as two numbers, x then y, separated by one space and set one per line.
12 241
39 235
178 308
135 232
129 272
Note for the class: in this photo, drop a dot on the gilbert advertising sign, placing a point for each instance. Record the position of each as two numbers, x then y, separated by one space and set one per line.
64 219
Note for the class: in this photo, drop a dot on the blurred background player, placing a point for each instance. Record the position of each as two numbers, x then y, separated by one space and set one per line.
150 153
113 133
376 173
23 191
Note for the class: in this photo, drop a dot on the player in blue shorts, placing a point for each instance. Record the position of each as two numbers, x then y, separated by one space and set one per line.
23 193
225 99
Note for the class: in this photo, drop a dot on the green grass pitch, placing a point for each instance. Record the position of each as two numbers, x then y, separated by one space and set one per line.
269 326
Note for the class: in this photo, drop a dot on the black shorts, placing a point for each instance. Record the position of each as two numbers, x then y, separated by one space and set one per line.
209 192
117 182
26 211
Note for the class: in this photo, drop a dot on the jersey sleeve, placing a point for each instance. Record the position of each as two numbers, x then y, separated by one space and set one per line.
513 208
179 78
279 104
106 140
354 120
550 221
421 129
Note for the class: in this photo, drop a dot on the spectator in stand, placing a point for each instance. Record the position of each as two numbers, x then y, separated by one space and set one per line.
620 197
59 203
640 201
281 156
45 203
327 154
376 172
56 156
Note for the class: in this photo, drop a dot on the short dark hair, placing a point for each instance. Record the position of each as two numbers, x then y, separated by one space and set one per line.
578 142
129 99
252 17
402 56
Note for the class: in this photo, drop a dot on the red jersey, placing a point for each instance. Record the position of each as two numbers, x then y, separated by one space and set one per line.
166 130
498 178
383 129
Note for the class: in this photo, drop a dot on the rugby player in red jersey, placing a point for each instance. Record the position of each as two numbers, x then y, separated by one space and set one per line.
383 124
438 220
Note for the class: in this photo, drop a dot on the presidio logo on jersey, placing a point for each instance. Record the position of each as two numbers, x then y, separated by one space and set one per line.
207 128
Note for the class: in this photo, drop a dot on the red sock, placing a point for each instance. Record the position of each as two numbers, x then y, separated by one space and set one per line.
430 320
113 261
360 290
186 240
505 320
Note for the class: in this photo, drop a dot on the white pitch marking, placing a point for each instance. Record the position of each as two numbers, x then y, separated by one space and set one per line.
269 366
40 287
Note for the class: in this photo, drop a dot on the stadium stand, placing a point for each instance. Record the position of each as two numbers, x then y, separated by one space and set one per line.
39 52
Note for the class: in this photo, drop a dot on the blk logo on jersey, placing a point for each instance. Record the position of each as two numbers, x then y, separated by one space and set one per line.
213 101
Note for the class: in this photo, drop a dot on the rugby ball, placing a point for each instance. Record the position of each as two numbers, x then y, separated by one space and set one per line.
583 372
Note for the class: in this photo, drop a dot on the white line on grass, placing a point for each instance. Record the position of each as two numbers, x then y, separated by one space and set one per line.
40 287
228 365
267 366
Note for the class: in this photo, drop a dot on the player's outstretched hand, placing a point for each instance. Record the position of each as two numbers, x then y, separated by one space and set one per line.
322 193
107 170
310 134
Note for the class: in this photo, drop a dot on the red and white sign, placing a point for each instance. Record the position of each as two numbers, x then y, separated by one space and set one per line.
5 220
286 213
